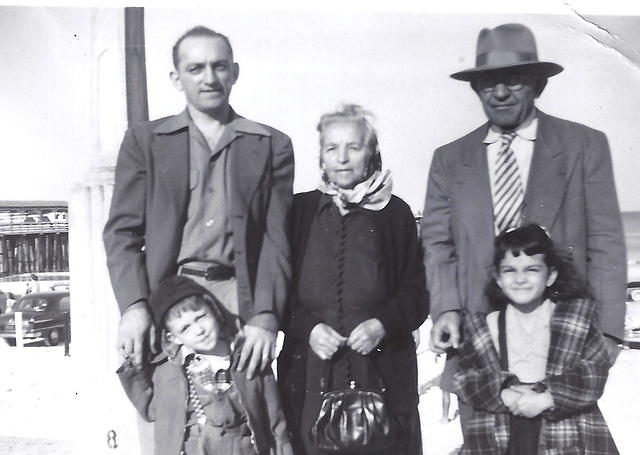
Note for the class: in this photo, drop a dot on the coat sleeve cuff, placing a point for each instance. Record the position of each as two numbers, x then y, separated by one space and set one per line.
266 320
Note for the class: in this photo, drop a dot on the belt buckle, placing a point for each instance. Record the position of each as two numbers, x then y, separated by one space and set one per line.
206 274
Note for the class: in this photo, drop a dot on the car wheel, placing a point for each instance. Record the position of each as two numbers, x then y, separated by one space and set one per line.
52 338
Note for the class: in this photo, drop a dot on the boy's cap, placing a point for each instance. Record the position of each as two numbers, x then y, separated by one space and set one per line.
174 289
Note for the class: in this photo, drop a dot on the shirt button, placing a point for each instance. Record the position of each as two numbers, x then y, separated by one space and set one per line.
209 223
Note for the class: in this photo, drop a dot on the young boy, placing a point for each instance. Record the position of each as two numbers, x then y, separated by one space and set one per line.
199 403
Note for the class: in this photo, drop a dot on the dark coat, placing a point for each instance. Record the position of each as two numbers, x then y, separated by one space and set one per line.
576 373
149 209
402 311
160 394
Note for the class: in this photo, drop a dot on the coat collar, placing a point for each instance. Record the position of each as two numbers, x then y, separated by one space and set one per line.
249 146
545 186
569 326
238 124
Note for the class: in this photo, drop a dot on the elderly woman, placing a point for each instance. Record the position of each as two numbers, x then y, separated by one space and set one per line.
359 287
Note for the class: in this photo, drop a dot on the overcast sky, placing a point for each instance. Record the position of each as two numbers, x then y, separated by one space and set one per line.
296 66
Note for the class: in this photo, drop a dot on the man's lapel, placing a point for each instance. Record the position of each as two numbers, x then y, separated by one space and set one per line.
171 154
547 176
475 201
247 159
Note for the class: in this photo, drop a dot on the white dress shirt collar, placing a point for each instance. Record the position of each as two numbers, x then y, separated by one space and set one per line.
527 130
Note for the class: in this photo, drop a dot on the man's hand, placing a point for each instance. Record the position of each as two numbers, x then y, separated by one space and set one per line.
136 334
258 350
613 349
325 341
530 404
366 336
445 332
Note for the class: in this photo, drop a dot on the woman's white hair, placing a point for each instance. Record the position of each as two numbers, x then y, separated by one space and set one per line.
365 120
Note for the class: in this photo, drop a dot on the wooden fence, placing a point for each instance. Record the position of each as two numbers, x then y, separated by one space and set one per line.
32 253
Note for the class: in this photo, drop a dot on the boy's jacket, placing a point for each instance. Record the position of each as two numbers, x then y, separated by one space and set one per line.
160 394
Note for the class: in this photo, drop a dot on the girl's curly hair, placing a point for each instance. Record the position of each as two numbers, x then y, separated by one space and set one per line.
530 240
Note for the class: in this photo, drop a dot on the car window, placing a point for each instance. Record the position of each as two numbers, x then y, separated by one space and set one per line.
64 303
25 304
34 304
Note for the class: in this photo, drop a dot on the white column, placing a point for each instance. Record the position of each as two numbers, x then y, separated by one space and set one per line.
102 405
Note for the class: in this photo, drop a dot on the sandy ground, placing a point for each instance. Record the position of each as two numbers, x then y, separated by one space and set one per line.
37 398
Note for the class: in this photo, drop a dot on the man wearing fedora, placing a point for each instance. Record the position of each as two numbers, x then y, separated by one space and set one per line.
522 166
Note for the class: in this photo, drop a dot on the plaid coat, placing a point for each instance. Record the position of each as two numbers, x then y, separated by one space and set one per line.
576 373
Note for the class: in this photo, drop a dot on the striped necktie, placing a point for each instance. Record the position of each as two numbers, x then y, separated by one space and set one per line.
508 193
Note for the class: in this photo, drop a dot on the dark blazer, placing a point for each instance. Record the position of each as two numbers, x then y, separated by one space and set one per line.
149 209
570 191
402 312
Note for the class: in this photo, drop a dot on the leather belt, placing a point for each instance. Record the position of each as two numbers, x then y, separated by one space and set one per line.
212 273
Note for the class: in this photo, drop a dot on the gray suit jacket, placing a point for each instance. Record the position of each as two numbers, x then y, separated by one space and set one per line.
149 208
570 192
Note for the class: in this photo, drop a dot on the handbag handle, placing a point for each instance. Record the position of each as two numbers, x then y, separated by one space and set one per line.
325 381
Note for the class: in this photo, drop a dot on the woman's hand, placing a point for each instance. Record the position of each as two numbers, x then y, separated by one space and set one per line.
325 341
366 336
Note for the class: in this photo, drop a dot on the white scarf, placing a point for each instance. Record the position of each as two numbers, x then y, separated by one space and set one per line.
372 194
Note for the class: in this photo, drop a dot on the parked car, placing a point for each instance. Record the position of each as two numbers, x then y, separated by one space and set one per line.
632 319
43 317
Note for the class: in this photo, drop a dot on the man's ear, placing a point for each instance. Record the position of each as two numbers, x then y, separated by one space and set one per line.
236 70
175 79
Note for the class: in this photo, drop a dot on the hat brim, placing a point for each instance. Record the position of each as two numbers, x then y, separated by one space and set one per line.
547 69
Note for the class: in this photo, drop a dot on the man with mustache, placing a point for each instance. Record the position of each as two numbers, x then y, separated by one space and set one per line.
206 194
521 167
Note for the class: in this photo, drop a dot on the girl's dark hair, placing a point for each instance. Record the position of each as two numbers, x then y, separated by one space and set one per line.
530 240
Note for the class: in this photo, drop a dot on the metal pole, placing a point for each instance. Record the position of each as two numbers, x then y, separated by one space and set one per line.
67 333
19 335
135 65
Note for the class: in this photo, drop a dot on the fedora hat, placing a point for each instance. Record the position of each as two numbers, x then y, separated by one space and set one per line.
508 46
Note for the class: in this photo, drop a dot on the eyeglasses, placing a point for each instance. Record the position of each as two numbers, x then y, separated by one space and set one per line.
512 82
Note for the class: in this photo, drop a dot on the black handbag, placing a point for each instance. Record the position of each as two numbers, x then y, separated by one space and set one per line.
353 420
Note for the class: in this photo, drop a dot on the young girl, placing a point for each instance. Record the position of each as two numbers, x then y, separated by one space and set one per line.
533 370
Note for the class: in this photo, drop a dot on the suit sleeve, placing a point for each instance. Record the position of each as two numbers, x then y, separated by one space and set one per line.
277 423
124 231
478 381
440 258
606 253
274 266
